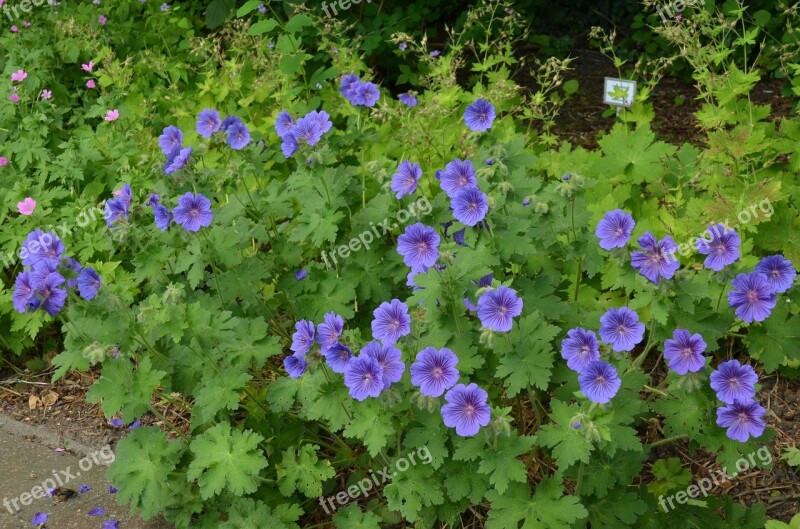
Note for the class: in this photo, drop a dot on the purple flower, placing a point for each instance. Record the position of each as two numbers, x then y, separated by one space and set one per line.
116 422
289 145
229 121
479 116
366 94
743 419
408 99
599 381
97 511
434 371
307 129
322 118
435 53
171 138
402 46
364 377
110 524
685 352
193 212
576 425
89 282
262 8
348 85
39 518
112 489
419 246
283 123
458 237
135 424
238 136
614 229
301 274
390 360
621 328
295 364
485 281
84 488
779 272
470 206
208 122
40 247
24 288
753 297
466 409
470 306
162 216
657 258
391 322
51 297
404 181
303 338
458 175
496 308
733 381
114 211
722 249
328 333
177 159
579 348
338 356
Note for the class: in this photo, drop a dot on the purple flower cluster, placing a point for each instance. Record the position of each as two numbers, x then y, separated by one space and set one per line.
735 387
306 130
599 380
171 143
192 213
42 283
755 294
358 92
419 246
327 336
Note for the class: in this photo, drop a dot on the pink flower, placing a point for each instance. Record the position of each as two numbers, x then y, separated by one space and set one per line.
87 67
47 94
90 83
26 24
14 98
112 115
19 76
14 29
27 206
3 161
102 20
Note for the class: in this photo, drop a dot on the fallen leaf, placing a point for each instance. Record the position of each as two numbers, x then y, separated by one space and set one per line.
34 402
50 399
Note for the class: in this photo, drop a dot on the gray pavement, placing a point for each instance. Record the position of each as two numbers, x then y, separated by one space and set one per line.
28 459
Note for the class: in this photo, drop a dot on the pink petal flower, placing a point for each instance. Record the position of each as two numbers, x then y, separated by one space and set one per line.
102 20
47 94
3 161
26 24
87 67
19 76
27 206
14 98
112 115
14 29
90 83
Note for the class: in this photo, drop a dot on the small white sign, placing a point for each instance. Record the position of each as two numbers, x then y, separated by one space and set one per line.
619 92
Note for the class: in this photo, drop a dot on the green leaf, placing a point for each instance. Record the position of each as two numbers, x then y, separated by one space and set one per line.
351 517
371 424
412 489
143 470
568 444
248 7
263 26
303 471
217 12
670 475
218 391
121 388
548 509
792 456
529 362
226 459
501 463
298 22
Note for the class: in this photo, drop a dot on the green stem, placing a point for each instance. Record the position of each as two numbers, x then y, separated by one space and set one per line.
668 440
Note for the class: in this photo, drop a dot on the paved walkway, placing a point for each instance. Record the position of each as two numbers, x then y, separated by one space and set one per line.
29 464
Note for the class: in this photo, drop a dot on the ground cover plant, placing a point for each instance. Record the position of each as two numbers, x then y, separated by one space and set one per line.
329 276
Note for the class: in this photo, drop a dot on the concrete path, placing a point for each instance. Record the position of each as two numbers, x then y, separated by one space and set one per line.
29 464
